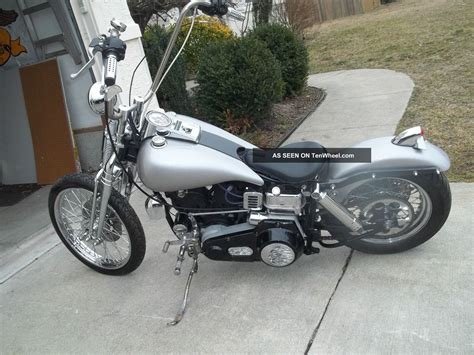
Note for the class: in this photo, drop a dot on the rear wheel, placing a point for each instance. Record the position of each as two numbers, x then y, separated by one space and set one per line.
120 248
401 212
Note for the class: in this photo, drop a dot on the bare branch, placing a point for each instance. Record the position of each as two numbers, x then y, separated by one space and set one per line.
143 10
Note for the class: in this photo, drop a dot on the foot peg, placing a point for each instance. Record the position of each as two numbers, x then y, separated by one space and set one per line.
168 243
166 246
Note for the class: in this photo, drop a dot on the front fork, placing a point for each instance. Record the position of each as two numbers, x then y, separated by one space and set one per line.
104 182
105 178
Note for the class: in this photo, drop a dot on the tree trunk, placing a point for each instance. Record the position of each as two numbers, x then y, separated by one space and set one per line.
262 10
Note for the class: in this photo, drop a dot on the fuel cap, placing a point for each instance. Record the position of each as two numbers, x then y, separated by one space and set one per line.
158 141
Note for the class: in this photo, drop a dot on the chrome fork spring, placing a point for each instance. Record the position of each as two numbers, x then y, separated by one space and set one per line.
107 149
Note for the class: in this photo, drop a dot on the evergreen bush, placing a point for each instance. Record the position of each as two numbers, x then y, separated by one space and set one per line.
239 80
290 52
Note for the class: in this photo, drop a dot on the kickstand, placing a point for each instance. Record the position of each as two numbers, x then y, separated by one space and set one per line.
180 314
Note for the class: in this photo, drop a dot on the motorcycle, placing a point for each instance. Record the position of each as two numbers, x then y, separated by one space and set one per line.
221 202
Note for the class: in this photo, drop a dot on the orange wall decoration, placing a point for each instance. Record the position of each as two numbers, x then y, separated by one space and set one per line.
8 46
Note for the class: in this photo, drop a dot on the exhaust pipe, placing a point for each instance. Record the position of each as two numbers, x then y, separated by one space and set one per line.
338 211
154 209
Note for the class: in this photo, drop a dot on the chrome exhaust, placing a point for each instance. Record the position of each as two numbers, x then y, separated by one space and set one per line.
154 209
338 211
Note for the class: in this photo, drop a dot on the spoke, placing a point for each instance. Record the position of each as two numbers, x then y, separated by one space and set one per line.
120 254
121 247
77 198
68 211
111 226
72 202
113 232
75 219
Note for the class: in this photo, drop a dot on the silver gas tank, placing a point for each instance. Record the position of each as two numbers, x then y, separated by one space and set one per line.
181 165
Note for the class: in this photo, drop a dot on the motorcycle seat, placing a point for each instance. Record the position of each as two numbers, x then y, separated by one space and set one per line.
297 172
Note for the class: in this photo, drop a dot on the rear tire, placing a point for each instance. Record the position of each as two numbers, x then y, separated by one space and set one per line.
436 187
123 220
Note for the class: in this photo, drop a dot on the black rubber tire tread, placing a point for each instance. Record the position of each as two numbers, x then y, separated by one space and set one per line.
437 188
123 209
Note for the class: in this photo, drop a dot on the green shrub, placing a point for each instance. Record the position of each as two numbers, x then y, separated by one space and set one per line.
172 94
238 82
290 51
206 30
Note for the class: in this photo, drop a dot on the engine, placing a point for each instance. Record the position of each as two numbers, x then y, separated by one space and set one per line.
222 196
276 243
270 232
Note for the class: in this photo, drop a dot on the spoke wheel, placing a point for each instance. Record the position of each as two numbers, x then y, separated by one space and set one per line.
110 250
119 249
395 208
399 212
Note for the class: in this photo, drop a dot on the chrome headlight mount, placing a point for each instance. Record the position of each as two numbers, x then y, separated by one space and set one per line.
96 98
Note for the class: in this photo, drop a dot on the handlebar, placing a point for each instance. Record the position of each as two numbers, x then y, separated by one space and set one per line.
211 7
220 8
161 69
113 49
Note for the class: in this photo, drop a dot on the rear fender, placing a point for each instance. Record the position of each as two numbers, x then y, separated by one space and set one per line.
387 156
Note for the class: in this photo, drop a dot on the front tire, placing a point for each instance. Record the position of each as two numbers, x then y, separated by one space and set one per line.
433 192
121 247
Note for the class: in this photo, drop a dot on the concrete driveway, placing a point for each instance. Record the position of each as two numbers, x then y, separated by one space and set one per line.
335 302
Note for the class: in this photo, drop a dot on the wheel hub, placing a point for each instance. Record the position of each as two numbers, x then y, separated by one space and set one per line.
112 229
388 215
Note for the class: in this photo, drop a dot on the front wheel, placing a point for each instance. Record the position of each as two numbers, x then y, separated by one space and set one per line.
402 211
121 247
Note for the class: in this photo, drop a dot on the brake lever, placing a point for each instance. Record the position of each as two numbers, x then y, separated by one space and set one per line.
86 66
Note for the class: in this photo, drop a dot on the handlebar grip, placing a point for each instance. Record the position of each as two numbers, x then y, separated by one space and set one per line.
110 73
